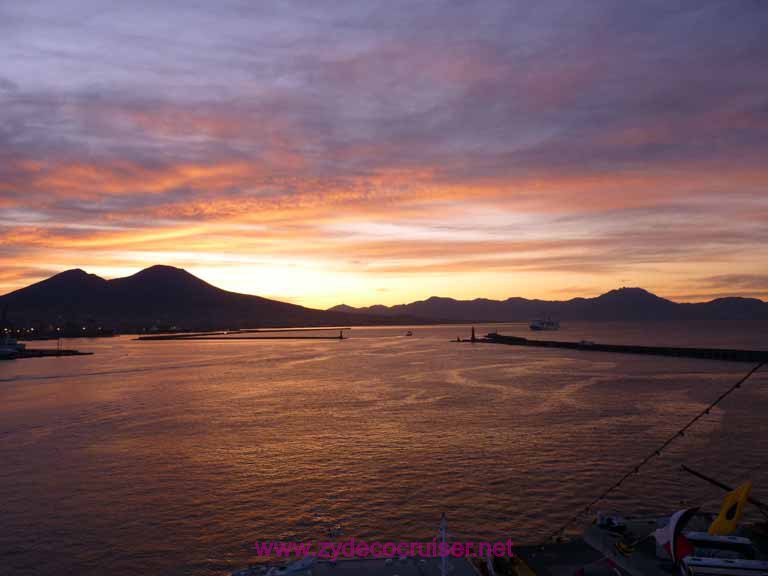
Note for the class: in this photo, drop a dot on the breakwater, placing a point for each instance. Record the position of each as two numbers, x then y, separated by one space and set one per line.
733 355
293 334
42 353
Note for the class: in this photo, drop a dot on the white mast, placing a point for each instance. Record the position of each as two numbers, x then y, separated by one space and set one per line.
489 563
443 539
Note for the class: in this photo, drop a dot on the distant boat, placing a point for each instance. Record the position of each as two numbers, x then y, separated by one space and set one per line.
547 324
10 347
409 333
8 353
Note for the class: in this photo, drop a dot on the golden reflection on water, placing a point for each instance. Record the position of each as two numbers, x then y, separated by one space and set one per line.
173 457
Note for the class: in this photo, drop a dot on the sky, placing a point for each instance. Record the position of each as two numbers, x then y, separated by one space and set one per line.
384 152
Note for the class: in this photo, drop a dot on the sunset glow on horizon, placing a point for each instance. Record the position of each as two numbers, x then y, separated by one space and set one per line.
383 153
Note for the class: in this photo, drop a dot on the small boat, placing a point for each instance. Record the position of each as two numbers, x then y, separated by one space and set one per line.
547 324
409 333
8 353
10 348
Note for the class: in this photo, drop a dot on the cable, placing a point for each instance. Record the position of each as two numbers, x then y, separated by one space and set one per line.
657 452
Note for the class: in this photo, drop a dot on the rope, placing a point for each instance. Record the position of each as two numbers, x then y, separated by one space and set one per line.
657 452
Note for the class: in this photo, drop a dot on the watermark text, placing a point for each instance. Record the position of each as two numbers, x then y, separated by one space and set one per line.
354 548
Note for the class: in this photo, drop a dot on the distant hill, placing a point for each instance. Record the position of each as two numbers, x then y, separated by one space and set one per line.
623 304
164 296
161 296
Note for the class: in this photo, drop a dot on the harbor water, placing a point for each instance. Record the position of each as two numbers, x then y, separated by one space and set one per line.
174 457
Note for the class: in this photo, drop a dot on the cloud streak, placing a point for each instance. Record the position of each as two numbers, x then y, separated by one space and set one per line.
543 144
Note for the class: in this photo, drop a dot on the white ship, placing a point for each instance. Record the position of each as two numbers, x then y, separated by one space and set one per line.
546 324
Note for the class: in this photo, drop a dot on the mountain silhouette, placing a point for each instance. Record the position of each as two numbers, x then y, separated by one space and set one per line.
164 296
158 296
623 304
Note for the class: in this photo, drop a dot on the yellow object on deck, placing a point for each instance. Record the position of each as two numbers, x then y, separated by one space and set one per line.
731 511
